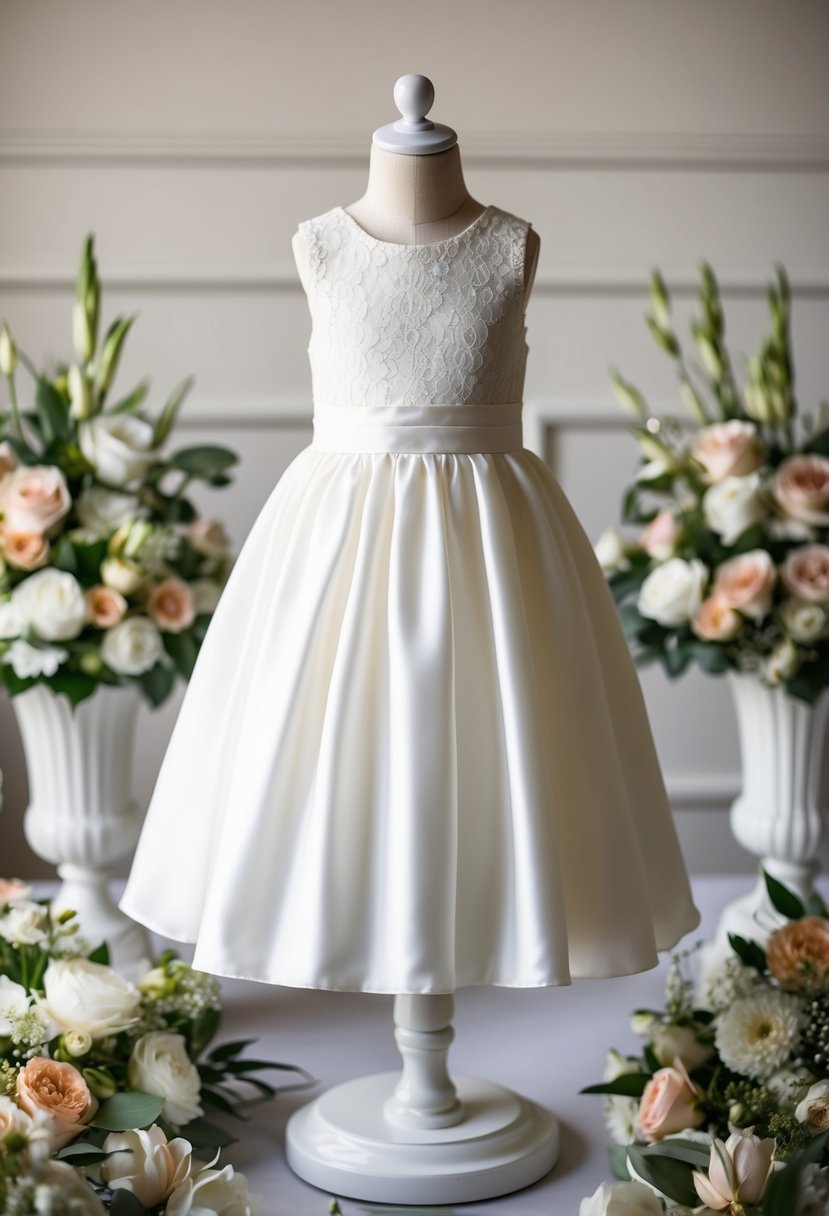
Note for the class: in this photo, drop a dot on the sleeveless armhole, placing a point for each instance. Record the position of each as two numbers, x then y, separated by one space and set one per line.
519 254
310 234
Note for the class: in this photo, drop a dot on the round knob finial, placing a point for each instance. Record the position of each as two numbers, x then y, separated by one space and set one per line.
414 134
414 97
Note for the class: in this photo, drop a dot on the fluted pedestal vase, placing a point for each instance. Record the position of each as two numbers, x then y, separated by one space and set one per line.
81 814
780 814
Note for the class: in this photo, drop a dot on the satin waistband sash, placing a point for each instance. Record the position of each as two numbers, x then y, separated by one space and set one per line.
418 428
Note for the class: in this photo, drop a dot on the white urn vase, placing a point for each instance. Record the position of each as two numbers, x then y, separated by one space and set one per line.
780 813
81 815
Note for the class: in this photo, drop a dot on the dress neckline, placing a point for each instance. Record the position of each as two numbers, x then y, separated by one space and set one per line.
425 245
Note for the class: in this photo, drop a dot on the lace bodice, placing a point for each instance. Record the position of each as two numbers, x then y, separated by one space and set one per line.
439 323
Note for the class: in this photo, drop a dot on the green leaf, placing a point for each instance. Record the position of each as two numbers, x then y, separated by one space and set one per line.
815 906
689 1151
629 1085
124 1203
225 1050
752 538
182 649
651 1060
204 461
52 411
76 686
203 1134
785 901
157 683
819 443
132 401
167 417
712 657
203 1030
81 1153
749 952
672 1178
212 1097
100 955
64 557
618 1155
127 1110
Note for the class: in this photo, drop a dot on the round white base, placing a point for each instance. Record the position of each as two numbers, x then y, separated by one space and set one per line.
343 1144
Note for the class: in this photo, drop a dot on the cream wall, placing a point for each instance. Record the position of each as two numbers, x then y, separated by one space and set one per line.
192 137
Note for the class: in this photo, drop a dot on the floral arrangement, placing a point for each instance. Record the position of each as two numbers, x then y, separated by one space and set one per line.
726 1107
730 566
107 574
104 1083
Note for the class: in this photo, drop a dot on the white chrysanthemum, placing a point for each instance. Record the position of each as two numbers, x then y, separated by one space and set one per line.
620 1118
758 1033
814 1191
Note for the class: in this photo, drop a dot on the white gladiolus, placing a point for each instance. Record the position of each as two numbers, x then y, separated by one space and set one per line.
732 505
52 602
803 621
611 551
82 995
673 591
621 1199
118 447
160 1065
133 646
28 661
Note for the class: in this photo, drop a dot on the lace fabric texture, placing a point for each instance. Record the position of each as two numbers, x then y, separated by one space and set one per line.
411 324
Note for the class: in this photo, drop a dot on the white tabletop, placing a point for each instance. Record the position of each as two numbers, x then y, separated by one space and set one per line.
547 1043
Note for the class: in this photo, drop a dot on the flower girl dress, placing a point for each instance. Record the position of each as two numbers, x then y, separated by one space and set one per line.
414 754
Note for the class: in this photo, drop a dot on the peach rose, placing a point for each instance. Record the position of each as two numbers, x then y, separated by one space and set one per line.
801 489
668 1103
8 460
25 550
727 449
60 1091
805 573
747 583
716 620
798 954
106 606
171 605
659 538
34 498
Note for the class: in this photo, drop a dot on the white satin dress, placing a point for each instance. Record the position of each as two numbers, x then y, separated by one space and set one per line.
414 754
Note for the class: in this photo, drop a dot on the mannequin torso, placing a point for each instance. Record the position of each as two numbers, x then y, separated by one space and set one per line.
416 200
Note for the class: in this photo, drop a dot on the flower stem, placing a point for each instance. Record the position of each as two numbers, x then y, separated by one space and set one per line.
15 410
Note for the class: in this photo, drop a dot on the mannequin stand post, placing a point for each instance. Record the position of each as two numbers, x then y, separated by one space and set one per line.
417 1137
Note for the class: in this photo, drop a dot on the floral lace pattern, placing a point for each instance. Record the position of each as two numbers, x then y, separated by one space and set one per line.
440 323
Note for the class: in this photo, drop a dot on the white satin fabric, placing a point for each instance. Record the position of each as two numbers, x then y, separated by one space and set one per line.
413 754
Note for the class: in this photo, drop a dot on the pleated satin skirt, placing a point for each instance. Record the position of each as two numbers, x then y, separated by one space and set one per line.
414 753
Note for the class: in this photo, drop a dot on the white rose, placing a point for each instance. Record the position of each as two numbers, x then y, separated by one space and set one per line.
102 512
11 619
668 1042
160 1065
121 574
133 646
206 594
52 602
25 924
223 1191
673 591
146 1163
611 551
119 447
814 1108
803 621
28 661
732 505
82 995
616 1199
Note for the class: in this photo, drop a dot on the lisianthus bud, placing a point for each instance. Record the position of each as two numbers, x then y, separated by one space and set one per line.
157 983
737 1113
664 336
692 401
121 574
101 1082
642 1022
111 352
660 301
91 663
629 398
75 1043
81 400
709 355
82 332
8 352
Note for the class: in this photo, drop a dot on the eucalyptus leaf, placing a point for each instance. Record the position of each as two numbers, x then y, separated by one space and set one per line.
671 1178
618 1155
127 1110
690 1151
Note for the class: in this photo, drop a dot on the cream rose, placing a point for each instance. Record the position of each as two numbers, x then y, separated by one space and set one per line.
106 606
118 447
82 995
60 1091
133 646
34 498
102 512
747 583
727 449
223 1191
716 620
52 602
672 592
732 505
160 1065
668 1103
814 1109
659 539
803 621
801 489
611 551
146 1163
170 604
805 573
208 537
24 550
